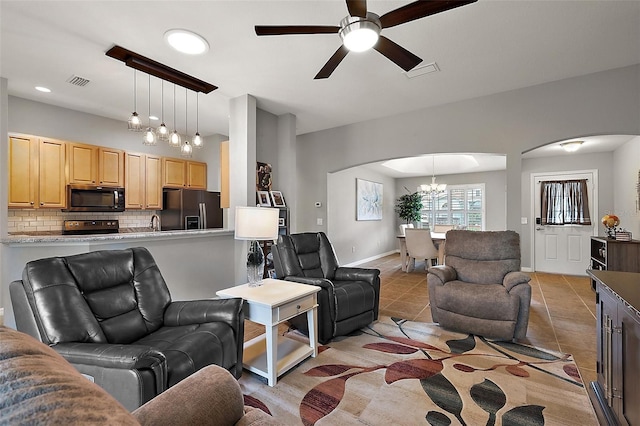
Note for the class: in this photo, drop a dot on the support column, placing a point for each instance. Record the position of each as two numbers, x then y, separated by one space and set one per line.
242 169
287 164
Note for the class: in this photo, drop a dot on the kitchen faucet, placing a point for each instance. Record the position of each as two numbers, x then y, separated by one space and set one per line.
155 223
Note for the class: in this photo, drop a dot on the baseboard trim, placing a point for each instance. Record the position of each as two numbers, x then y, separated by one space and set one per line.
527 269
369 259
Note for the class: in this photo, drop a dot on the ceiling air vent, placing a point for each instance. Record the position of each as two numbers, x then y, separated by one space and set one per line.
77 81
425 69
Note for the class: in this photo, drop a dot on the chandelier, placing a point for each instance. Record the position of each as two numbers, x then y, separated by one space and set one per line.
433 189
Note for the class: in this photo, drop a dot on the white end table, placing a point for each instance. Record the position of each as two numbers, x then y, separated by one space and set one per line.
276 301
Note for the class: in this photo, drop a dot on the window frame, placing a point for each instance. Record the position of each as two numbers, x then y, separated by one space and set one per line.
433 213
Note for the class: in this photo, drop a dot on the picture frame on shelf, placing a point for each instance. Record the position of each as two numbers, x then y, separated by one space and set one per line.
278 199
281 221
263 199
271 273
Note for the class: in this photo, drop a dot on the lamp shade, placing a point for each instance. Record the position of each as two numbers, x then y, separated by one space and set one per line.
256 223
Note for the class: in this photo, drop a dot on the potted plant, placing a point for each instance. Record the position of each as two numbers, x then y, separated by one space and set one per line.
408 206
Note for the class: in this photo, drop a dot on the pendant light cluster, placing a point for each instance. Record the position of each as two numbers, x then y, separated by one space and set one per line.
151 136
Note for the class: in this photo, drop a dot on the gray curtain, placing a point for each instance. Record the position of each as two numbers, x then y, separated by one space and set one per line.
565 203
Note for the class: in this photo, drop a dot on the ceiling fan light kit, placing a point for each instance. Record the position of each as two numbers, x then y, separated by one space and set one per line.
360 34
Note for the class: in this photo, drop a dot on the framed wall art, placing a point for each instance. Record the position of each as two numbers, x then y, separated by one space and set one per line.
263 199
278 199
368 200
263 176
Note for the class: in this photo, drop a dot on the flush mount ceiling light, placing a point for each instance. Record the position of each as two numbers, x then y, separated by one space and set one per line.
360 34
572 146
43 89
186 41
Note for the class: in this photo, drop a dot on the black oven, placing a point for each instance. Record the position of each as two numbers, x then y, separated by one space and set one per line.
82 198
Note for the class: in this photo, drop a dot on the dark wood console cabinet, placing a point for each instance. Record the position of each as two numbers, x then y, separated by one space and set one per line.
616 393
608 254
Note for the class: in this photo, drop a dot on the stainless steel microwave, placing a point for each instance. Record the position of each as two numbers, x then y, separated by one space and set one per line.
81 198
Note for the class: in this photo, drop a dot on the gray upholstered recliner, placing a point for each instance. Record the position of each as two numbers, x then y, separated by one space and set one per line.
109 313
480 289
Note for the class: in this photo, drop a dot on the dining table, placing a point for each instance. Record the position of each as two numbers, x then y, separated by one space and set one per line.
438 238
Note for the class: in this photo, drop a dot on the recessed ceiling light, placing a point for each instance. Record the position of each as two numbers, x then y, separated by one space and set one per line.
186 41
153 117
43 89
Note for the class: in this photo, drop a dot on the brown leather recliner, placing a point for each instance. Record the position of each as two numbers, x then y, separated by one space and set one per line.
109 313
480 289
349 297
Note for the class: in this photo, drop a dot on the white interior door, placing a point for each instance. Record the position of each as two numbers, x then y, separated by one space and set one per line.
563 249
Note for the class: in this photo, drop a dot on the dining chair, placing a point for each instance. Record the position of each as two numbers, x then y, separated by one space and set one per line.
442 228
420 246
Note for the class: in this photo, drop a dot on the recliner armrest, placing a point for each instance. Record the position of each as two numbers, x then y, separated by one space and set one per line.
126 357
320 282
444 272
356 274
512 279
202 311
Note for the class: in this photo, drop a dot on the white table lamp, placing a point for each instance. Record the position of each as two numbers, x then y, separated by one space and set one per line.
253 224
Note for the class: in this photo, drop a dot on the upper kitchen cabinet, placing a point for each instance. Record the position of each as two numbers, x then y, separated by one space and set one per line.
36 172
94 165
143 186
178 173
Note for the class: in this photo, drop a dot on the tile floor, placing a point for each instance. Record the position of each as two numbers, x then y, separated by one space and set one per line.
562 317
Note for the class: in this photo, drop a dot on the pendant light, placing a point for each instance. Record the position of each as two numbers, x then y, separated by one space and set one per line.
134 123
149 137
186 149
174 139
197 139
162 132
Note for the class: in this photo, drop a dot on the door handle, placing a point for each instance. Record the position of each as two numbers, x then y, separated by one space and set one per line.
539 229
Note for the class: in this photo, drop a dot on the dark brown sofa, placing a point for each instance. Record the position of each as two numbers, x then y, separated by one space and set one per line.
39 387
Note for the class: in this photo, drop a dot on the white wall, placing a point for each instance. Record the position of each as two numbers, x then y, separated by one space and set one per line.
352 239
626 185
505 123
495 193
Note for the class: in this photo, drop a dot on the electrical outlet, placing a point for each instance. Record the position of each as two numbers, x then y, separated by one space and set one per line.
319 221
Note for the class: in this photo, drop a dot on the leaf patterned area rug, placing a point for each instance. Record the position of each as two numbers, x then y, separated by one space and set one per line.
398 372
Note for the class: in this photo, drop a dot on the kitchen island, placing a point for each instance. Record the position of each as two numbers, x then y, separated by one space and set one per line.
194 263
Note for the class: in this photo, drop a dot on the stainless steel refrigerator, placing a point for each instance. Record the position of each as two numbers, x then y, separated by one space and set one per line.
190 209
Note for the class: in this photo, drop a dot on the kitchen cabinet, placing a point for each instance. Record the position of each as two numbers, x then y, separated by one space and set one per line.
36 172
178 173
95 165
143 189
616 392
608 254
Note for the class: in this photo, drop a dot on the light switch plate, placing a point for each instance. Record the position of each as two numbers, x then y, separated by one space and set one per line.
524 220
319 221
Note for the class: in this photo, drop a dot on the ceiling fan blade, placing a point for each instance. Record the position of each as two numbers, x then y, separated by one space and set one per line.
396 53
357 8
267 30
332 63
419 9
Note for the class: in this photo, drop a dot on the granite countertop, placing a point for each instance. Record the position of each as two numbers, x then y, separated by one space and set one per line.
123 234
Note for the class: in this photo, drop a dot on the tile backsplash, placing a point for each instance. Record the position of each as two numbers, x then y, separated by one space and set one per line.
29 220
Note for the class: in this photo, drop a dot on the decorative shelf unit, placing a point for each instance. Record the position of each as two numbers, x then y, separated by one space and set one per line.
608 254
283 229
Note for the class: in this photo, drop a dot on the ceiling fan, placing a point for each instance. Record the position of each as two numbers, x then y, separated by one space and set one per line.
360 30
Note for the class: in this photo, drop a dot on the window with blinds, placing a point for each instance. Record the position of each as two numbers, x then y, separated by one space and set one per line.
459 205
